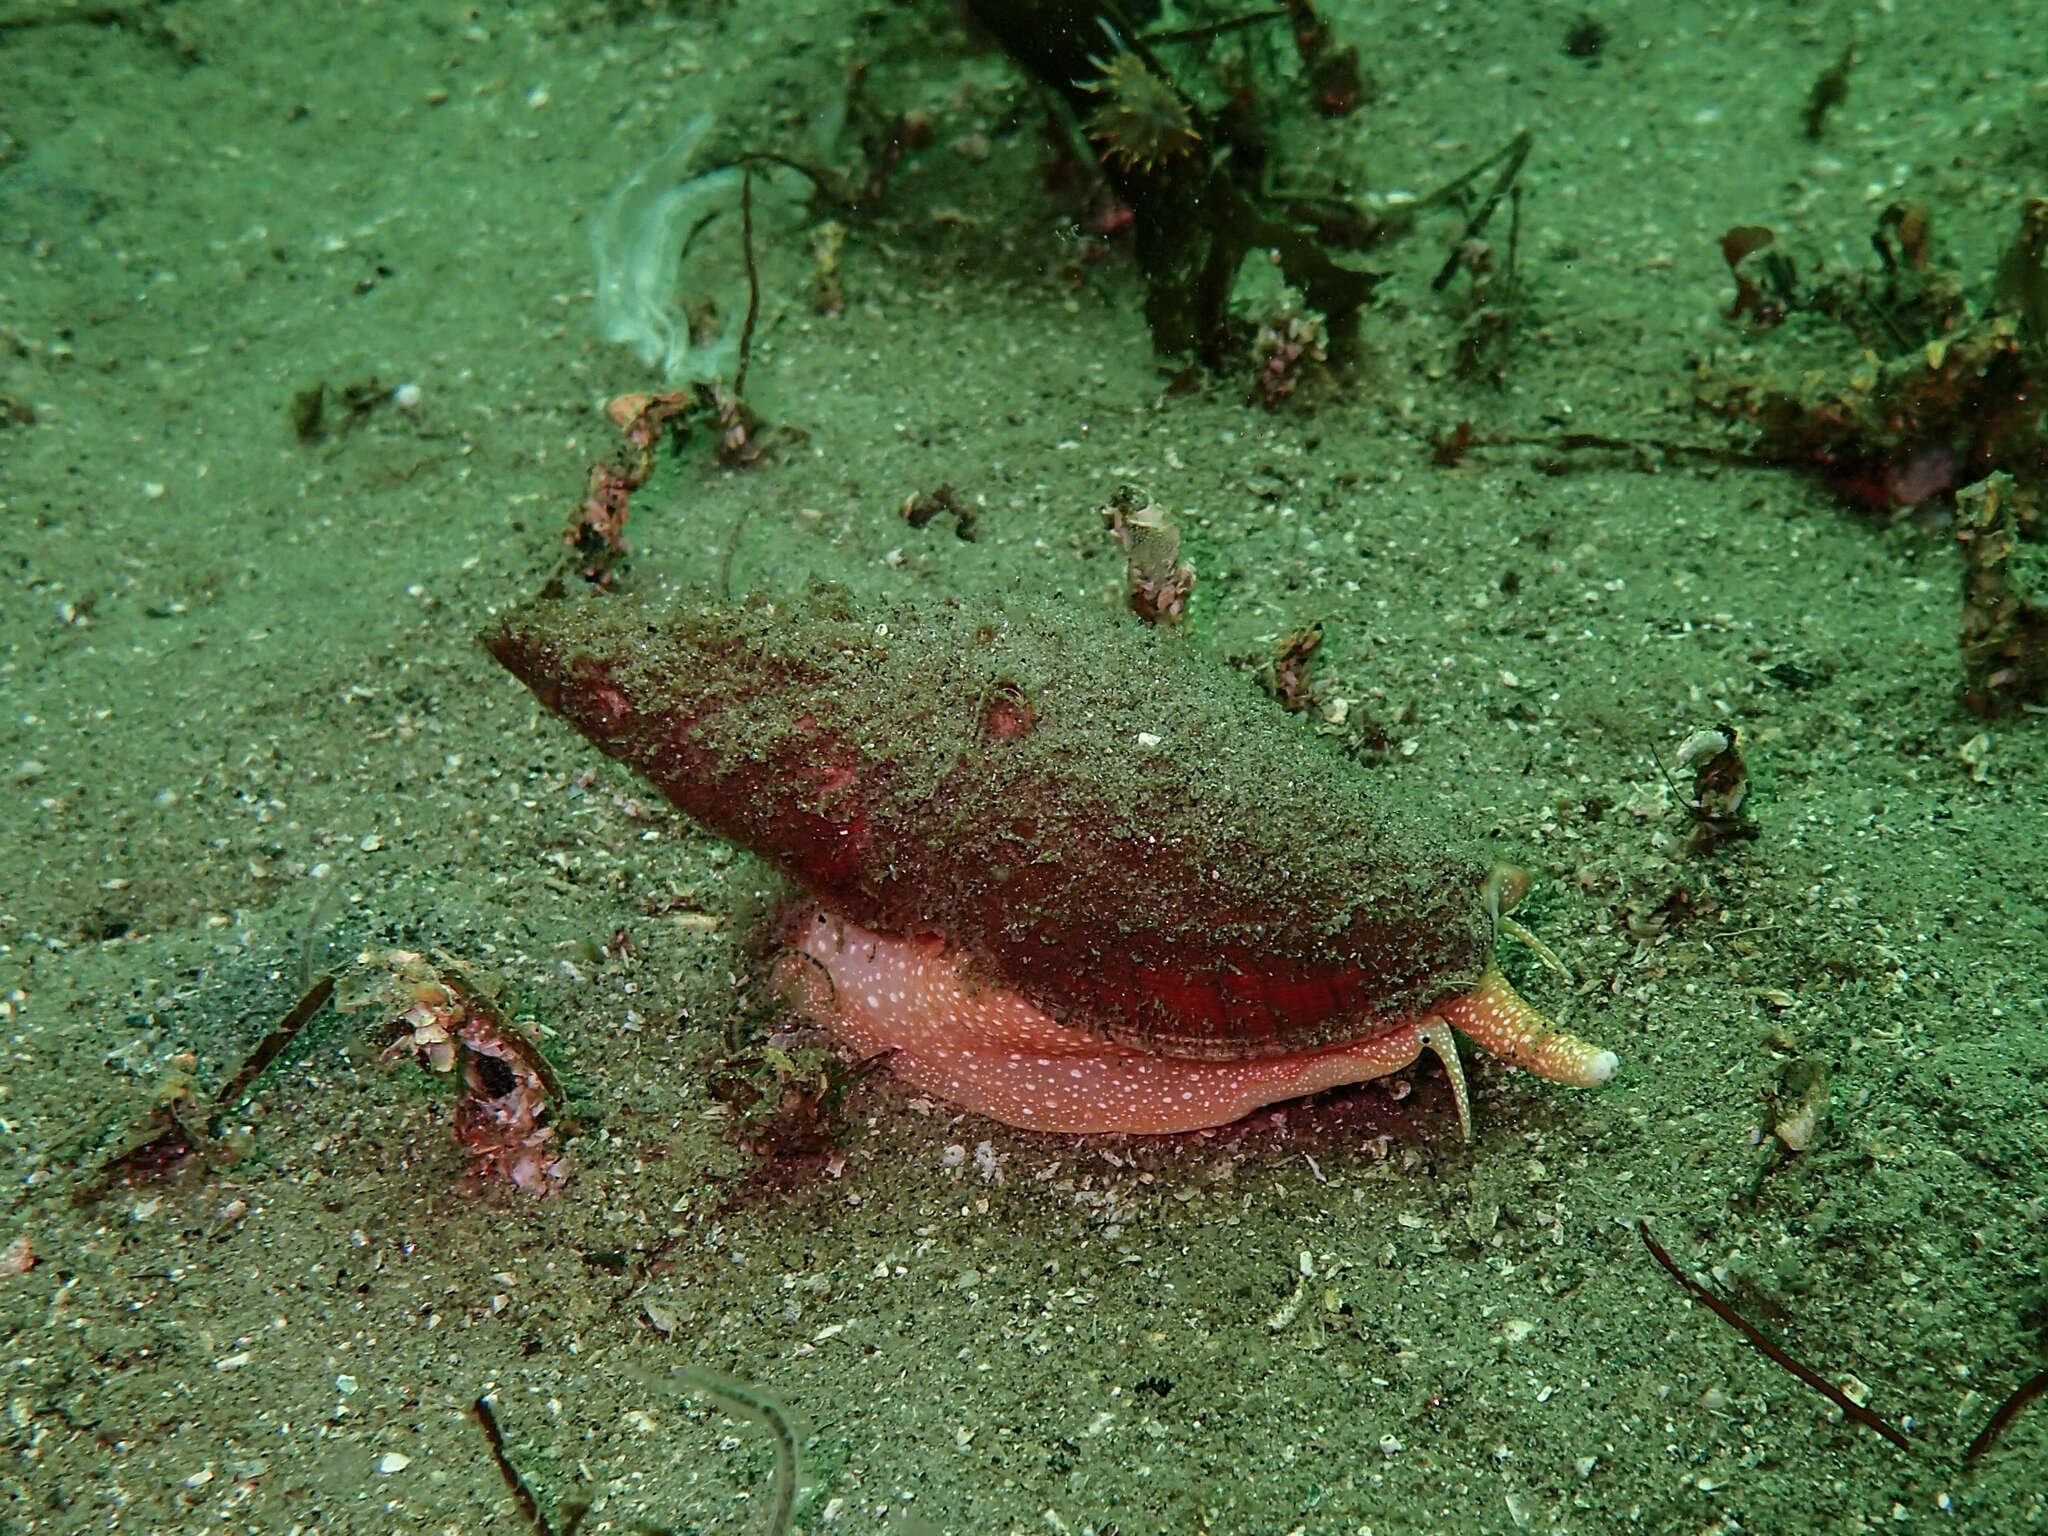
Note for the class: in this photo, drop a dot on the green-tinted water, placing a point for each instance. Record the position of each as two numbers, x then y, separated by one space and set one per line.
248 734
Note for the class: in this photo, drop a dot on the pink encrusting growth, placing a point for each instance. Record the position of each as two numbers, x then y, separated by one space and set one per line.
1098 885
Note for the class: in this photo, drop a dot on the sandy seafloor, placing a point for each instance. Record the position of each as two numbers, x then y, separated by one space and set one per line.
247 729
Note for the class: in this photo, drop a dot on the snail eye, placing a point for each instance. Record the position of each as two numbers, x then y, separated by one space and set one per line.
1504 886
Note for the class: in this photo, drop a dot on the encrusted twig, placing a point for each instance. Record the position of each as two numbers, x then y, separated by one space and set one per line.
1160 582
1757 1337
2024 1394
515 1480
739 374
597 528
175 1131
269 1048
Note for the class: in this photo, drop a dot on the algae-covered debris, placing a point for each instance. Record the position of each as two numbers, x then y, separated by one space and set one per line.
509 1108
2005 599
1830 90
1718 804
1285 674
1159 581
1189 175
2022 287
1942 391
1764 309
1943 401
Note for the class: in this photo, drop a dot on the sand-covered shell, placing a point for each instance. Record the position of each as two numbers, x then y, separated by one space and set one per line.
1078 810
1141 846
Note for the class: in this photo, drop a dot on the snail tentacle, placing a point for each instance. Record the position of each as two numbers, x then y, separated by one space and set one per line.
1439 1037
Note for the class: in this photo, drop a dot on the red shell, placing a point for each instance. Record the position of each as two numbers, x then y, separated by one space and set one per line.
1133 840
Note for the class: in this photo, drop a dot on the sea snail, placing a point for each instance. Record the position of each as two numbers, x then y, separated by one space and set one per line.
1068 876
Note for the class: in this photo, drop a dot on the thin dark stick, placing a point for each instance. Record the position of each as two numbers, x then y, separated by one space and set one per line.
522 1495
821 181
2024 1395
739 381
272 1045
1672 784
1213 29
1514 154
1755 1335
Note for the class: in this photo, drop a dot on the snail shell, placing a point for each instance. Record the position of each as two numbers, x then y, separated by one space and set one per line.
1077 820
